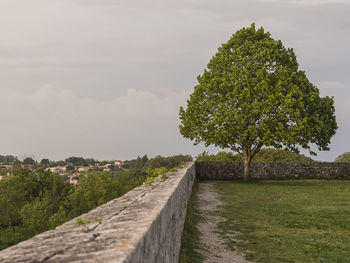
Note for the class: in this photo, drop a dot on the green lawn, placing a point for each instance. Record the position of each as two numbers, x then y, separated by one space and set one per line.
288 221
190 235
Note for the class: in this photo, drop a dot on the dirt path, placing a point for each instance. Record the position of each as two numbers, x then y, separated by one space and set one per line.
213 248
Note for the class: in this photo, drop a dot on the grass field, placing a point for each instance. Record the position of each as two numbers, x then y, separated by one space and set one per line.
288 221
190 234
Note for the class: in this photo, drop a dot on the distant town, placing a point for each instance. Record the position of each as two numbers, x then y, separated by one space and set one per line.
70 169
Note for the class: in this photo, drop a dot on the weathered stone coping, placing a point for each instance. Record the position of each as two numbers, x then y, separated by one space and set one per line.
144 225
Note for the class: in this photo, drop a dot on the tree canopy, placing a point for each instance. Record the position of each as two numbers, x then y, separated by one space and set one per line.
6 159
264 155
253 94
45 162
28 160
77 161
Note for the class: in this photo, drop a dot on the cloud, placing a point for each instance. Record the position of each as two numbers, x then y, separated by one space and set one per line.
307 2
56 122
105 68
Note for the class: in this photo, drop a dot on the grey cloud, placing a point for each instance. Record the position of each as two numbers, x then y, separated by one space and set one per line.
65 123
75 73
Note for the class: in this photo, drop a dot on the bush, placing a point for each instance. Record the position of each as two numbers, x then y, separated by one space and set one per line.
279 155
167 162
220 156
345 157
153 173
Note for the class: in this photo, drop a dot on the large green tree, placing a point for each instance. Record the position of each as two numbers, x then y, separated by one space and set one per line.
253 94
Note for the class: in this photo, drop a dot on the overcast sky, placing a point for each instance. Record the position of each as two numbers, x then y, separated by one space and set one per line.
106 78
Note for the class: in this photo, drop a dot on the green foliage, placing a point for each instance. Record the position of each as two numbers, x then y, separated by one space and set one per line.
28 200
345 157
153 173
156 171
29 160
98 188
32 201
90 161
264 155
298 221
4 171
220 156
94 189
76 161
45 162
279 155
35 216
128 164
7 159
81 221
58 163
252 94
140 162
168 162
11 236
70 168
158 161
16 191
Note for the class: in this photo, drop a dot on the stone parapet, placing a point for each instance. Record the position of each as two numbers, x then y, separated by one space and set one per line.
144 225
273 170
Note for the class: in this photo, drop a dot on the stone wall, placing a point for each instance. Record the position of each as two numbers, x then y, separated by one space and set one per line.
144 225
273 170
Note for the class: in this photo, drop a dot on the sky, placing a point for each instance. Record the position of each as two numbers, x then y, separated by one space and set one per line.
105 78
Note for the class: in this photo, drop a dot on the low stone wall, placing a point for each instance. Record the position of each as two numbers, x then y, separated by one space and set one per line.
273 170
144 225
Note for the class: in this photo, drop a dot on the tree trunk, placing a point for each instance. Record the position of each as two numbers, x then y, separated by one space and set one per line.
246 175
247 157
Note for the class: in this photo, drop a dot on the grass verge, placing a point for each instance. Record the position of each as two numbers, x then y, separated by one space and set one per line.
287 221
190 235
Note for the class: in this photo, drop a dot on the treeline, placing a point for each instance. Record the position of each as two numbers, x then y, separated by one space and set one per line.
7 159
76 161
35 200
156 162
264 155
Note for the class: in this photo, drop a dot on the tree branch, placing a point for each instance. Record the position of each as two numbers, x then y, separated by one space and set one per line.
256 149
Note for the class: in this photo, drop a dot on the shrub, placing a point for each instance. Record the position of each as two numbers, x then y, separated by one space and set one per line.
345 157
